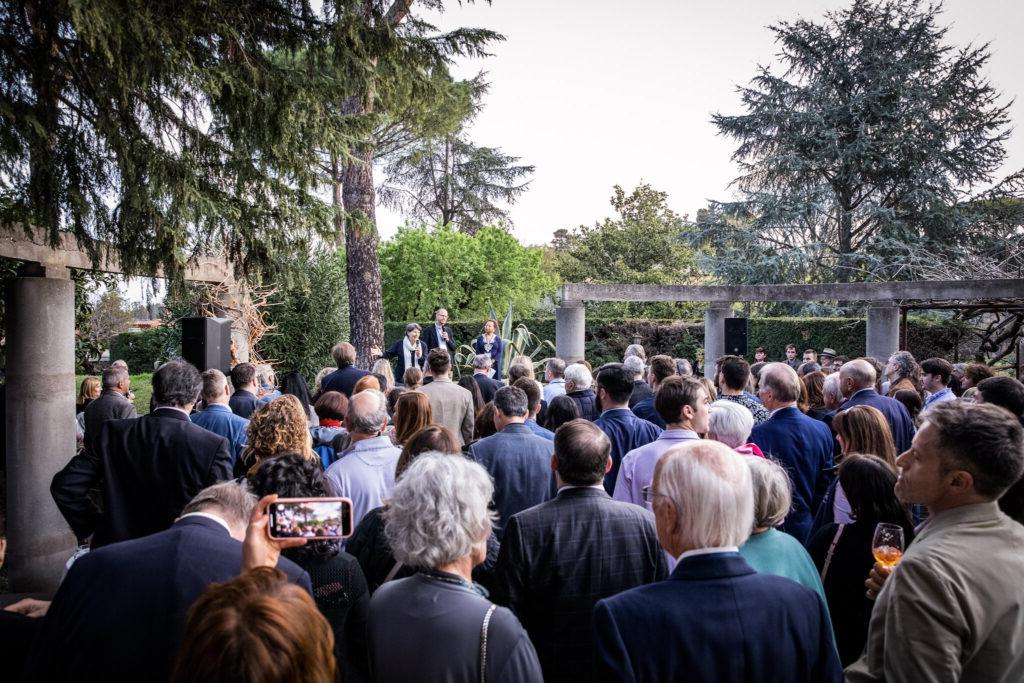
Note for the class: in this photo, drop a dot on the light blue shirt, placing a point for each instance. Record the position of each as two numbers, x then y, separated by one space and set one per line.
938 397
365 472
555 388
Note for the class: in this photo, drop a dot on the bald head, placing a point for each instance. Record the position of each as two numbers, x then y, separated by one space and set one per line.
367 413
856 375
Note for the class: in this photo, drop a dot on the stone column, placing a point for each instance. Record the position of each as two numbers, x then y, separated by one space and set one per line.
883 333
40 425
234 304
570 332
714 335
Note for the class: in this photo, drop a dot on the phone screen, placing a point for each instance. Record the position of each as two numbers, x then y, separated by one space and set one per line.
318 519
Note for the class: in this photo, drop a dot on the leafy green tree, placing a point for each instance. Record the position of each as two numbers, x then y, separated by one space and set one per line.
424 268
109 317
869 135
170 128
643 245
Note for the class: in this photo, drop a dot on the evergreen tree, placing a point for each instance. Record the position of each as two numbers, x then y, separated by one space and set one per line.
868 137
171 128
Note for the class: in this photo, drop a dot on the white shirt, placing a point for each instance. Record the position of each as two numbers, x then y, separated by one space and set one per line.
708 551
208 515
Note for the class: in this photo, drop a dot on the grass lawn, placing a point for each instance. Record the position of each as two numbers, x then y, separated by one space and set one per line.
142 387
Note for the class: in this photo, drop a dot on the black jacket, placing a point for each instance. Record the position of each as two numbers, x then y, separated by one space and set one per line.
147 469
430 337
488 386
243 403
397 350
559 558
343 380
641 391
586 401
111 405
119 614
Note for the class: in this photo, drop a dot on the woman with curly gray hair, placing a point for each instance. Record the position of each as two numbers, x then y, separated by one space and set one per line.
437 624
903 372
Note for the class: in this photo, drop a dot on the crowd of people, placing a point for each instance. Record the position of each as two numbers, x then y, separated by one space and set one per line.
631 522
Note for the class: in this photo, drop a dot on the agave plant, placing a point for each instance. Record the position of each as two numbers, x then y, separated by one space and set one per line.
517 341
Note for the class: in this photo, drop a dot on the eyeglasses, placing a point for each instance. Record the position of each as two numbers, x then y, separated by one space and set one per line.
648 493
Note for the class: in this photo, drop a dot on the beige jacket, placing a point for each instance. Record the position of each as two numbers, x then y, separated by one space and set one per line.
452 407
953 610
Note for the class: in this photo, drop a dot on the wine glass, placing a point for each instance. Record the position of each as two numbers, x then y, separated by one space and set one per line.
887 545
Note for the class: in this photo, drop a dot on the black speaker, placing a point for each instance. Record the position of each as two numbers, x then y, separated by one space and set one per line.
206 343
736 336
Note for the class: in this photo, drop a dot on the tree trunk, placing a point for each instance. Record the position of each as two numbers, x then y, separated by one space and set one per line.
365 308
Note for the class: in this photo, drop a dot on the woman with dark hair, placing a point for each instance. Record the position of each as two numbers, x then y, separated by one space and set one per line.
339 586
842 552
294 383
561 409
412 413
469 384
483 426
410 350
912 401
255 628
368 544
330 408
489 342
814 383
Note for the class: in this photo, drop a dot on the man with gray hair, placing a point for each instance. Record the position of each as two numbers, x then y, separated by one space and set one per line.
365 471
554 375
801 444
707 621
641 389
112 404
217 416
119 614
147 468
481 365
577 387
831 394
517 459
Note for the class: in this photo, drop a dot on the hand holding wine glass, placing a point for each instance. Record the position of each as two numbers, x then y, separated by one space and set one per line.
887 545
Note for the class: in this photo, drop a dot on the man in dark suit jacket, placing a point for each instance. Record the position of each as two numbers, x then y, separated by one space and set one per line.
801 444
488 387
518 460
559 558
148 468
244 401
439 334
715 618
120 612
857 382
345 377
113 404
626 431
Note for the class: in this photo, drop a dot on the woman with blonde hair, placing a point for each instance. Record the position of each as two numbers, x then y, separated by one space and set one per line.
87 393
412 413
863 430
278 427
383 368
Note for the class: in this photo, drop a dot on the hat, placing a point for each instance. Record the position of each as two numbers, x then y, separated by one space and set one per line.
828 352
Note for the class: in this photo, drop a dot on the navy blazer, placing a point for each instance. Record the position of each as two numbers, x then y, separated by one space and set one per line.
488 387
716 619
627 432
433 342
895 414
397 350
148 469
343 380
586 401
803 446
519 461
243 403
559 558
645 410
120 612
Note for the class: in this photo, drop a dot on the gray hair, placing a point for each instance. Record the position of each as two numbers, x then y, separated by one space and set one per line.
683 367
579 376
214 383
176 383
234 501
773 492
511 401
730 422
782 381
367 411
636 350
411 327
113 376
906 365
556 366
831 387
119 363
264 372
807 368
482 361
438 510
860 371
634 365
710 486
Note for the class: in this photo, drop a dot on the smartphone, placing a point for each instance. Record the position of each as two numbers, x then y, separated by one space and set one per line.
318 519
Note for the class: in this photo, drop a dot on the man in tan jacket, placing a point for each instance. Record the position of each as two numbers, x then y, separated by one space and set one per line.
953 608
451 405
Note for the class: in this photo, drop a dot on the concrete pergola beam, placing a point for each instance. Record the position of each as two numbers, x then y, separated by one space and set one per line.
832 291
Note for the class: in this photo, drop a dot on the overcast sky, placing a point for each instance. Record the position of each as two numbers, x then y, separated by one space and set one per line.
603 92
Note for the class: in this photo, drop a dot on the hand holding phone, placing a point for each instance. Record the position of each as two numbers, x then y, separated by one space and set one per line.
315 519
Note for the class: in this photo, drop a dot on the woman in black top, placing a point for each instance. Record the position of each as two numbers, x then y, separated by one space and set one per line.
842 552
339 586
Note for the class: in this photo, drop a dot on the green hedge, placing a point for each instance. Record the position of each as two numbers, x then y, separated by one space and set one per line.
606 340
141 350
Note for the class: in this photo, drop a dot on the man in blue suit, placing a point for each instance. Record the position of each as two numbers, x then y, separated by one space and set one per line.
518 460
857 381
120 613
217 417
626 431
715 618
801 444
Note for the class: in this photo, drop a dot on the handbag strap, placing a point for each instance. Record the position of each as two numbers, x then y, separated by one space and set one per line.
831 551
394 570
483 642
